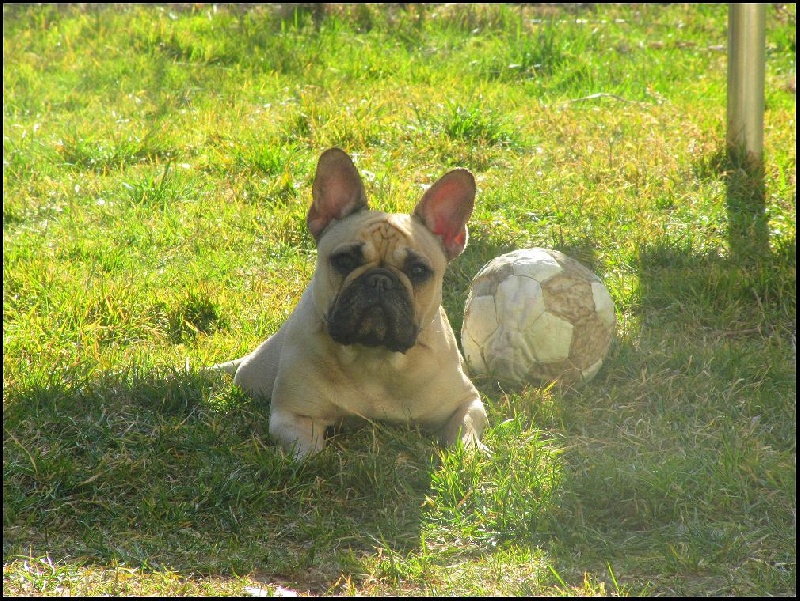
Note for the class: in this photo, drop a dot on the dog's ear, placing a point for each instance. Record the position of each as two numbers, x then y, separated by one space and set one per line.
337 191
446 207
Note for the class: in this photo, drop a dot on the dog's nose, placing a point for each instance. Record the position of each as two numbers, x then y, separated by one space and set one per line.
379 281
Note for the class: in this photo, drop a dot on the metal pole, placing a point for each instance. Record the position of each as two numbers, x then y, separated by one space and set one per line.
746 49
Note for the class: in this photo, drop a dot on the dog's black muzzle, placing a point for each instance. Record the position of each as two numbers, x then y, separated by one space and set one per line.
374 310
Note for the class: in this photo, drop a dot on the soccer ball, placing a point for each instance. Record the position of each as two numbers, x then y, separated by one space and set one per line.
537 314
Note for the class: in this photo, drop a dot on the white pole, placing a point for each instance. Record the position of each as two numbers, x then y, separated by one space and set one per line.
746 60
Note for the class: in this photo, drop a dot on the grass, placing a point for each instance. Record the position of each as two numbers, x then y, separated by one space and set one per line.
156 175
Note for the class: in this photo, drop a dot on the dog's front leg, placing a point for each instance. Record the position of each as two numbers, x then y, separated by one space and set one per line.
467 424
299 435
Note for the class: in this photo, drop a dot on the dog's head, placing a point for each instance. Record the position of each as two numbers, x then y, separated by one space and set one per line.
378 280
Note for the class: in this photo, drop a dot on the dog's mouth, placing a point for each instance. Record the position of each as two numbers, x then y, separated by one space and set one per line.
374 310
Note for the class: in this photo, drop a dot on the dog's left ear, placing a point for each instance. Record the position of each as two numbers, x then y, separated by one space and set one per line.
446 207
337 191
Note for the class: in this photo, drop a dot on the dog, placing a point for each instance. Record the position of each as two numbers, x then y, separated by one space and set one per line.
369 338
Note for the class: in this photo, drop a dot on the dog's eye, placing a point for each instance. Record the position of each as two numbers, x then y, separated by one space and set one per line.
345 262
418 272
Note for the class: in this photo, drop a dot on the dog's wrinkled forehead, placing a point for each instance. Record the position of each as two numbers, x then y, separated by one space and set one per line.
391 238
384 240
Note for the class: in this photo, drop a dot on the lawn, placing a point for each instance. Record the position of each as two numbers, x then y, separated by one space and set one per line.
157 164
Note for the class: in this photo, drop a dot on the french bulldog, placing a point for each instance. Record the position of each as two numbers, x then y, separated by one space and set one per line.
369 338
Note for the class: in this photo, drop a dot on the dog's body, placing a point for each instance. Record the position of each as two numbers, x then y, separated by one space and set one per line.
369 337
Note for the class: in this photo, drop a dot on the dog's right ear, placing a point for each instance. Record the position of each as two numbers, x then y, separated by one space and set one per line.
337 191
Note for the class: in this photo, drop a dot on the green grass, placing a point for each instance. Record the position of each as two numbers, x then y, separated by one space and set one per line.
156 174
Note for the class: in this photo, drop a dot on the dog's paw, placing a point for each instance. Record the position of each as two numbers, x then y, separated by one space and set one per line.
229 367
473 444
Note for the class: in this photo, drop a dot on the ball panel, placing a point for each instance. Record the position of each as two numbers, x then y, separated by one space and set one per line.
569 298
573 267
604 304
535 263
480 318
518 302
590 341
564 371
473 354
550 338
509 354
590 372
494 272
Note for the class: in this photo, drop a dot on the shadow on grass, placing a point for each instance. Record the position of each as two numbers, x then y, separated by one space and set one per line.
165 469
751 288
